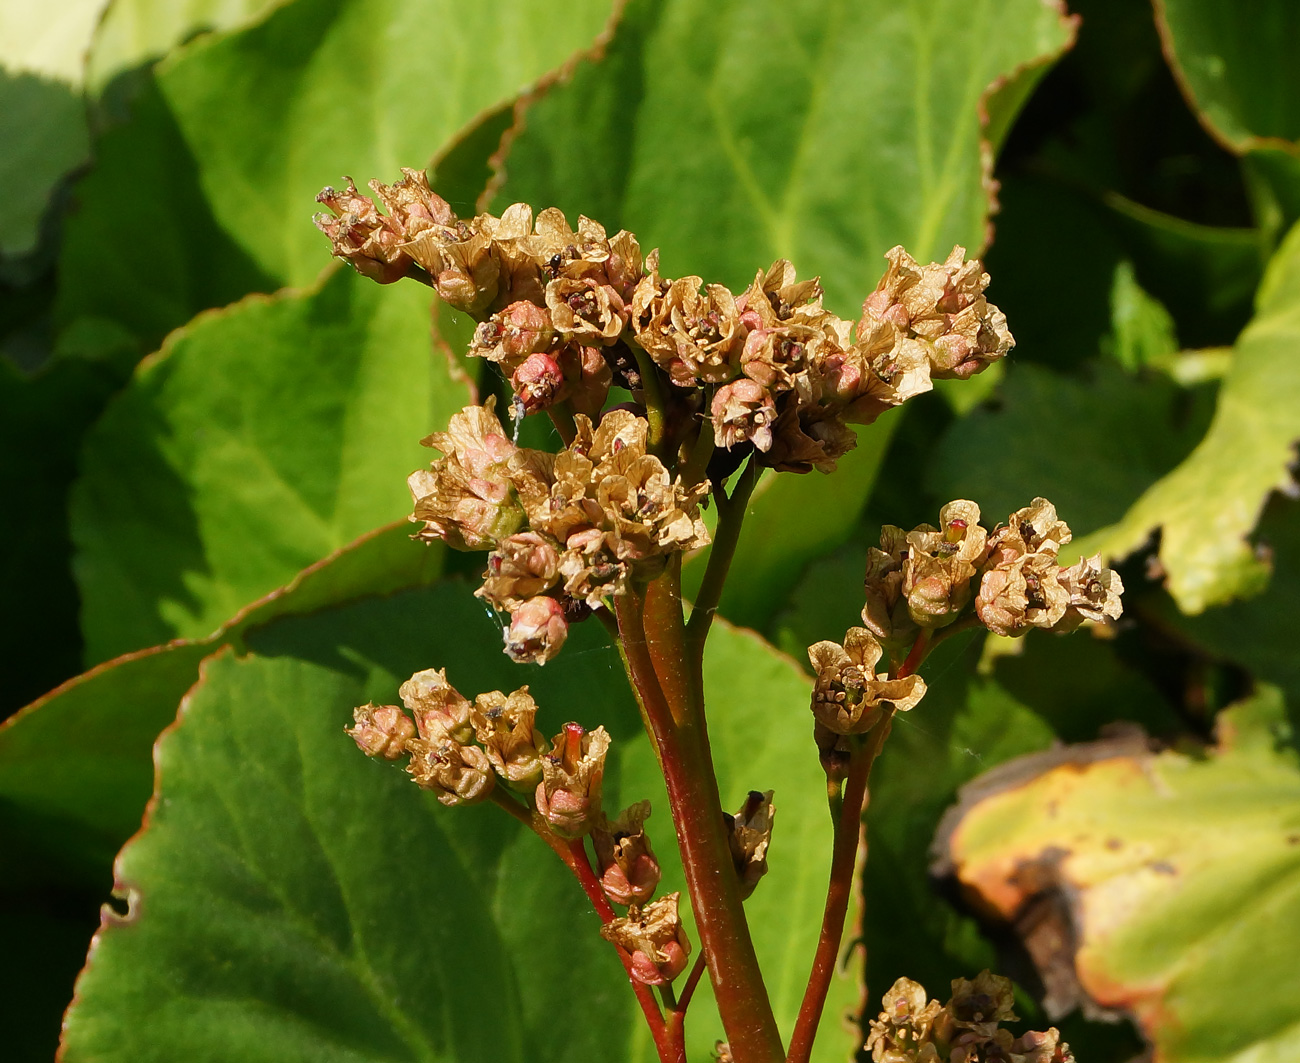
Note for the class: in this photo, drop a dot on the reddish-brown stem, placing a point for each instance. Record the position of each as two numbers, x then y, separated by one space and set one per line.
561 416
916 655
681 738
667 649
574 855
844 850
675 1019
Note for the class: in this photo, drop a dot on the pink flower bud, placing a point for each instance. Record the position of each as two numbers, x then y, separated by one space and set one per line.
538 382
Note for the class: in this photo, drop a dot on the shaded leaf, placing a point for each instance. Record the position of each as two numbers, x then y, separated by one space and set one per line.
76 771
1091 445
1207 506
1234 65
259 440
1183 873
42 116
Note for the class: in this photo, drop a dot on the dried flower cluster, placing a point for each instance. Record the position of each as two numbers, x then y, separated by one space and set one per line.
565 314
458 748
566 531
926 578
912 1029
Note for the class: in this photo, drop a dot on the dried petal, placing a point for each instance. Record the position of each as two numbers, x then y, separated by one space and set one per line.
439 709
568 797
629 871
750 834
504 727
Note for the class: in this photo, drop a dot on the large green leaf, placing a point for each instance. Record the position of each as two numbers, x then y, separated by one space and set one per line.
731 134
1207 506
243 130
1182 873
1234 64
133 32
259 440
281 894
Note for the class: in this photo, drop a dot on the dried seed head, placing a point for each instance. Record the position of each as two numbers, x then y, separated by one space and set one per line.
653 938
568 797
439 709
743 412
362 236
458 774
504 727
1094 593
381 731
479 492
522 566
749 835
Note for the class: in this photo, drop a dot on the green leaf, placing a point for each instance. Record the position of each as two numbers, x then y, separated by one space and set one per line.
731 134
1207 506
259 440
1183 874
43 418
1234 65
207 193
1091 445
314 867
75 769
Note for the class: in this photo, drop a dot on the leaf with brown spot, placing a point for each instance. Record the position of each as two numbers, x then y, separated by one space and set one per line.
1172 874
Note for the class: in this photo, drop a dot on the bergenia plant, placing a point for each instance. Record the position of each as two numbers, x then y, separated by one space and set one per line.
672 397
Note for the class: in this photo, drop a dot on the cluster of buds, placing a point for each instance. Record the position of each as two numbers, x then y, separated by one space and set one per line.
912 1029
458 749
926 578
566 314
565 531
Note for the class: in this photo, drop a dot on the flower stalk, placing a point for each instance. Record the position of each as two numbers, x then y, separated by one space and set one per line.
720 382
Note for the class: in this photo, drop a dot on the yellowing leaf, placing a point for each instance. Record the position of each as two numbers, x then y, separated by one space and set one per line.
1181 873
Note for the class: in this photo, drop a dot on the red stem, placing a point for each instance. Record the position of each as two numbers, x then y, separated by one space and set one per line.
682 743
844 850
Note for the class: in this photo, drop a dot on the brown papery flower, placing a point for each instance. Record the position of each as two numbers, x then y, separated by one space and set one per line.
629 871
381 730
440 710
504 727
749 835
848 695
458 774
